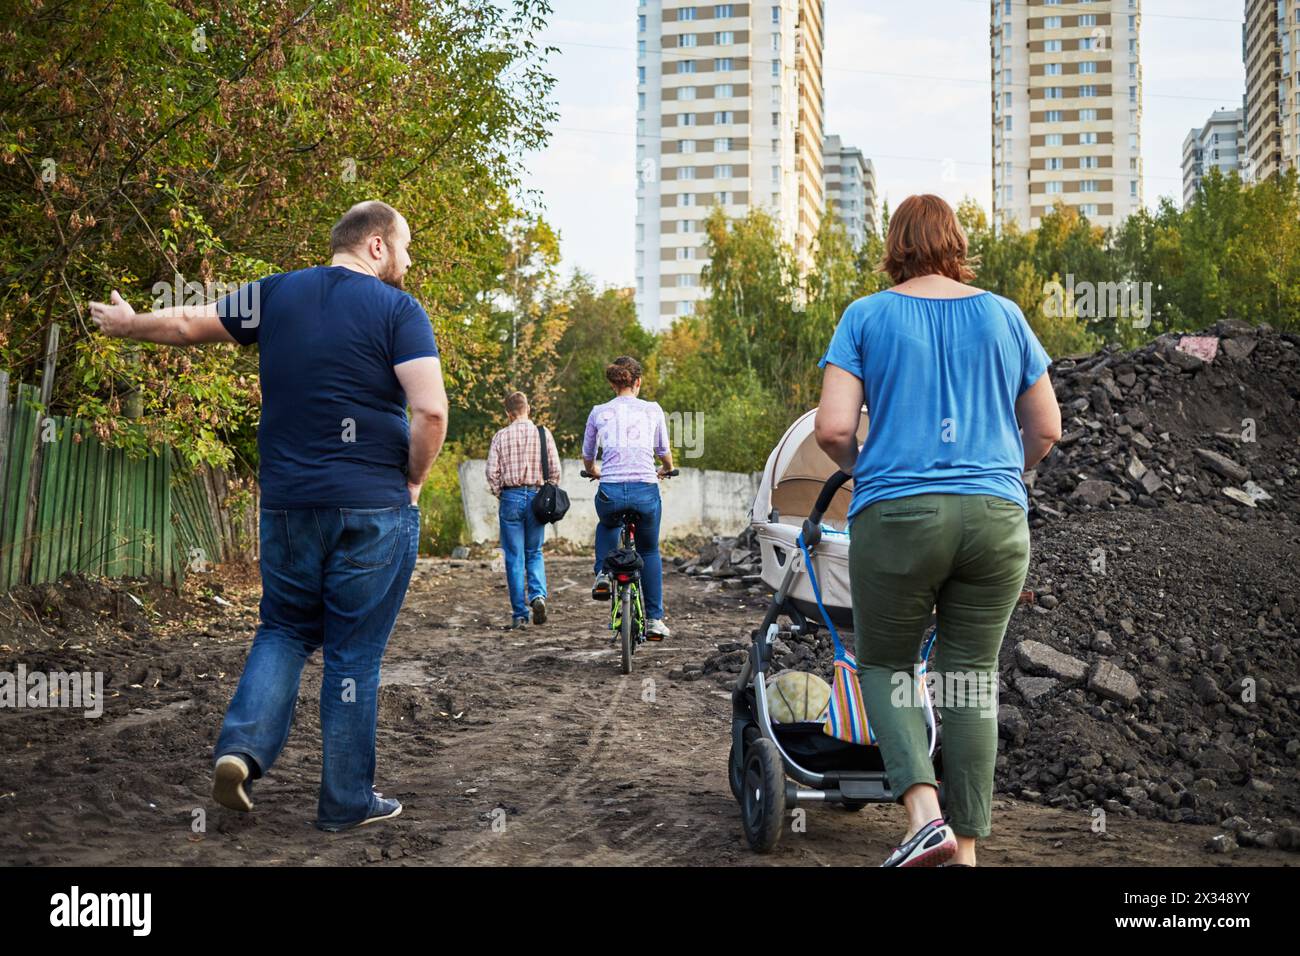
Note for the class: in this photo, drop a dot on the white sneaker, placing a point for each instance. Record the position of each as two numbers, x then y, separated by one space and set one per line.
657 630
933 844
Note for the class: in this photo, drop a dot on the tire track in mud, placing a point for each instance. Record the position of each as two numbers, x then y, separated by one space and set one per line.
594 756
611 749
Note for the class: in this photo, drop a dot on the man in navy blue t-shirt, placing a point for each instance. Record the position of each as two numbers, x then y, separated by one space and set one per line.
342 351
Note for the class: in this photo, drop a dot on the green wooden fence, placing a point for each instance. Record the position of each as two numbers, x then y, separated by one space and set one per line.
69 503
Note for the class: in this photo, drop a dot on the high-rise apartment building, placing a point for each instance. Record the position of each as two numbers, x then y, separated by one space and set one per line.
850 189
1216 144
1067 108
1270 39
729 113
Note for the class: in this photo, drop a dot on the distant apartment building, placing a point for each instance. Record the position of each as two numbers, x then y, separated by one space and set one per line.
1216 144
1270 41
1067 109
729 113
850 189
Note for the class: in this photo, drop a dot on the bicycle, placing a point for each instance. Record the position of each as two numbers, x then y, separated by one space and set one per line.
627 618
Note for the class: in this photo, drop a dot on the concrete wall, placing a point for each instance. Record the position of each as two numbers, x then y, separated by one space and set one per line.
695 502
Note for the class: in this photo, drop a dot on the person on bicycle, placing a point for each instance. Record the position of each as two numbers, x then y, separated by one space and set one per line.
630 432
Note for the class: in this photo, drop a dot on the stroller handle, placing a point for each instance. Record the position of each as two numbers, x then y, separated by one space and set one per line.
812 525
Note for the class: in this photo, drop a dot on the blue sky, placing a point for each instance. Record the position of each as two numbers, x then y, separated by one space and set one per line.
906 82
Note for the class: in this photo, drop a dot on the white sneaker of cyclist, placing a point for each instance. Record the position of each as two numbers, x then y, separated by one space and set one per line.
657 630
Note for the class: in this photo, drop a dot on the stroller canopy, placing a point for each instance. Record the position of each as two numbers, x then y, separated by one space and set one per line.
795 473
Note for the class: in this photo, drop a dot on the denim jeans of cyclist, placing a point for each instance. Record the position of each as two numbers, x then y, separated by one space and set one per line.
612 499
334 579
521 543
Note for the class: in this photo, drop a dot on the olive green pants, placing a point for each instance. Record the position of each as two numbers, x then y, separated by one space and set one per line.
967 556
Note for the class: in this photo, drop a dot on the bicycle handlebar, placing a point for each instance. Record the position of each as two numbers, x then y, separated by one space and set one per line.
667 474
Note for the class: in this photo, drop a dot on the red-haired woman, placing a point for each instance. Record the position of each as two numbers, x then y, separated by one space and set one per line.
961 405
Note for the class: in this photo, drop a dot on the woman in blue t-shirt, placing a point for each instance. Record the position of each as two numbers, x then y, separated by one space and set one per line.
961 405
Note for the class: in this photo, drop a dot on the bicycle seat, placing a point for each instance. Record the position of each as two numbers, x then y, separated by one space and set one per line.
630 516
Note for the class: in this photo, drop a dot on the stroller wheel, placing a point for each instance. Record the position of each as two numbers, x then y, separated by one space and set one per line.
762 803
736 762
735 772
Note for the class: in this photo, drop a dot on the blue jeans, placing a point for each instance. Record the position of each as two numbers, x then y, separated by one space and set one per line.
332 578
612 499
521 542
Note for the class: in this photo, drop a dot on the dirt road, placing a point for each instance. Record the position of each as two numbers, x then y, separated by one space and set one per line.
505 748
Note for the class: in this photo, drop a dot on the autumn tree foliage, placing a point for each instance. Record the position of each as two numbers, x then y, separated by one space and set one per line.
218 141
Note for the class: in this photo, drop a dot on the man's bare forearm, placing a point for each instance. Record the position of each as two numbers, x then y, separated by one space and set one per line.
428 431
164 327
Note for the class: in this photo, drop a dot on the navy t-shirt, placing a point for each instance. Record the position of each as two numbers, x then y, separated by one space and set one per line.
334 431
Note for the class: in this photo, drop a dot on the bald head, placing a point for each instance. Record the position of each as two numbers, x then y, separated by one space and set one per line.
365 219
373 234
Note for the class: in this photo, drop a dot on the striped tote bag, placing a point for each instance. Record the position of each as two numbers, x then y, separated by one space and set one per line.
846 717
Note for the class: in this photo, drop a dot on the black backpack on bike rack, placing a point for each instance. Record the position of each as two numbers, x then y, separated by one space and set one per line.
623 561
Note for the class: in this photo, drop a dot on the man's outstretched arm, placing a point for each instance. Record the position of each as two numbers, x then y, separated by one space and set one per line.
180 325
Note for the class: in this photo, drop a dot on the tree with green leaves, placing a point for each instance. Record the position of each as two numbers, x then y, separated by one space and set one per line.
218 142
601 325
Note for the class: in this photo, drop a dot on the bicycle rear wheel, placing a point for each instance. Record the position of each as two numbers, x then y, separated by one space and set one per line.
627 628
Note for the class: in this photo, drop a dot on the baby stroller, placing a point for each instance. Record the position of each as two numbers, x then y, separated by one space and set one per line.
800 519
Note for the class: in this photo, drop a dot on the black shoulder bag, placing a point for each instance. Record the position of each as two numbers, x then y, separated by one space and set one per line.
552 502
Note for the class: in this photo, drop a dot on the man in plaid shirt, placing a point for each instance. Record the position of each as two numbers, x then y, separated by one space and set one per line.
514 475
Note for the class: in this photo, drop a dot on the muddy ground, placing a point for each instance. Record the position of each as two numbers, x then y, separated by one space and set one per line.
505 748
